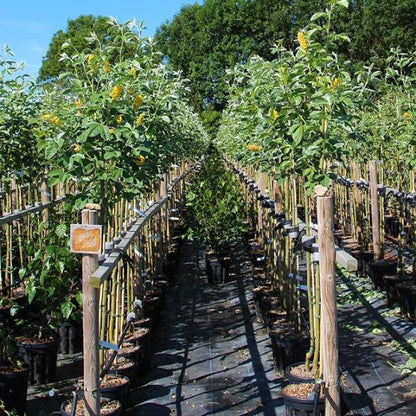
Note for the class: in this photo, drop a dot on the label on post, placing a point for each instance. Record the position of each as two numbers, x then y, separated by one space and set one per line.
85 239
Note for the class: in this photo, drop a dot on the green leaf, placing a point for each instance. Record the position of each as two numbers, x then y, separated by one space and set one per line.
343 3
318 15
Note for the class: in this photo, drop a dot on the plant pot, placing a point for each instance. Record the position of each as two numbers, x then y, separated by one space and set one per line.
407 299
214 270
41 357
151 308
141 338
390 283
294 378
116 387
380 268
108 408
124 367
288 346
13 388
301 405
70 335
132 352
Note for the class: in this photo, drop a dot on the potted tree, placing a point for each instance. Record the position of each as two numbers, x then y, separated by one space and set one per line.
14 374
51 281
214 203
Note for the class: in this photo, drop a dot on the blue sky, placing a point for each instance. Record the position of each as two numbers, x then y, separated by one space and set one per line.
27 26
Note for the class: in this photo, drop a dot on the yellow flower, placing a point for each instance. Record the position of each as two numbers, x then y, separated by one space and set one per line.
138 101
111 130
253 147
106 66
52 119
115 92
133 72
303 43
90 57
76 147
55 120
334 84
78 103
139 120
140 160
119 118
406 114
273 114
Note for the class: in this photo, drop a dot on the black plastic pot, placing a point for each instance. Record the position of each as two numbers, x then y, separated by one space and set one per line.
390 283
142 341
302 407
119 392
151 308
70 335
288 347
214 270
13 389
381 268
407 299
41 357
117 412
125 368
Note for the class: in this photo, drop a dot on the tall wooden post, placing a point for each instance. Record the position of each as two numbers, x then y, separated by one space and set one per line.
375 216
90 299
329 329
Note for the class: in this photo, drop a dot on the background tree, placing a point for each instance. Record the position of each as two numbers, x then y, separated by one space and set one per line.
205 40
77 35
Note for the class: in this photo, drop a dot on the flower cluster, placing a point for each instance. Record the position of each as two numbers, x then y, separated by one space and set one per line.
303 43
253 147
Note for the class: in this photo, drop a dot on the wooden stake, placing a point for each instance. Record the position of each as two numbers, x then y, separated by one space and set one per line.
375 216
90 298
329 329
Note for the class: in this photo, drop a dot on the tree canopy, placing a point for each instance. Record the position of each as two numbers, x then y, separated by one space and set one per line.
77 38
205 40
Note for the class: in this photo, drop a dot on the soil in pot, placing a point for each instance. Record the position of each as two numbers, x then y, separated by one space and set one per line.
297 373
132 352
116 387
40 356
13 387
125 367
108 408
298 402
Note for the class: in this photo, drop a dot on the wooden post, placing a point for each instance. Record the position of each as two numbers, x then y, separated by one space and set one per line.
329 329
375 216
90 299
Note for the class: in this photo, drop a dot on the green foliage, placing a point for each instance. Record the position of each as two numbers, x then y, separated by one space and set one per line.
113 124
294 114
215 200
52 276
77 37
205 40
18 154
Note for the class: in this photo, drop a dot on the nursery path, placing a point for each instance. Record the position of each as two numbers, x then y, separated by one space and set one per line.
210 355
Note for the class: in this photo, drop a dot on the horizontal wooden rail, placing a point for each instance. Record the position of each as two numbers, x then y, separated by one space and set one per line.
17 215
106 269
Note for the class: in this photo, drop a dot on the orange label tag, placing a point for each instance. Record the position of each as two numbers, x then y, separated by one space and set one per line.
85 239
